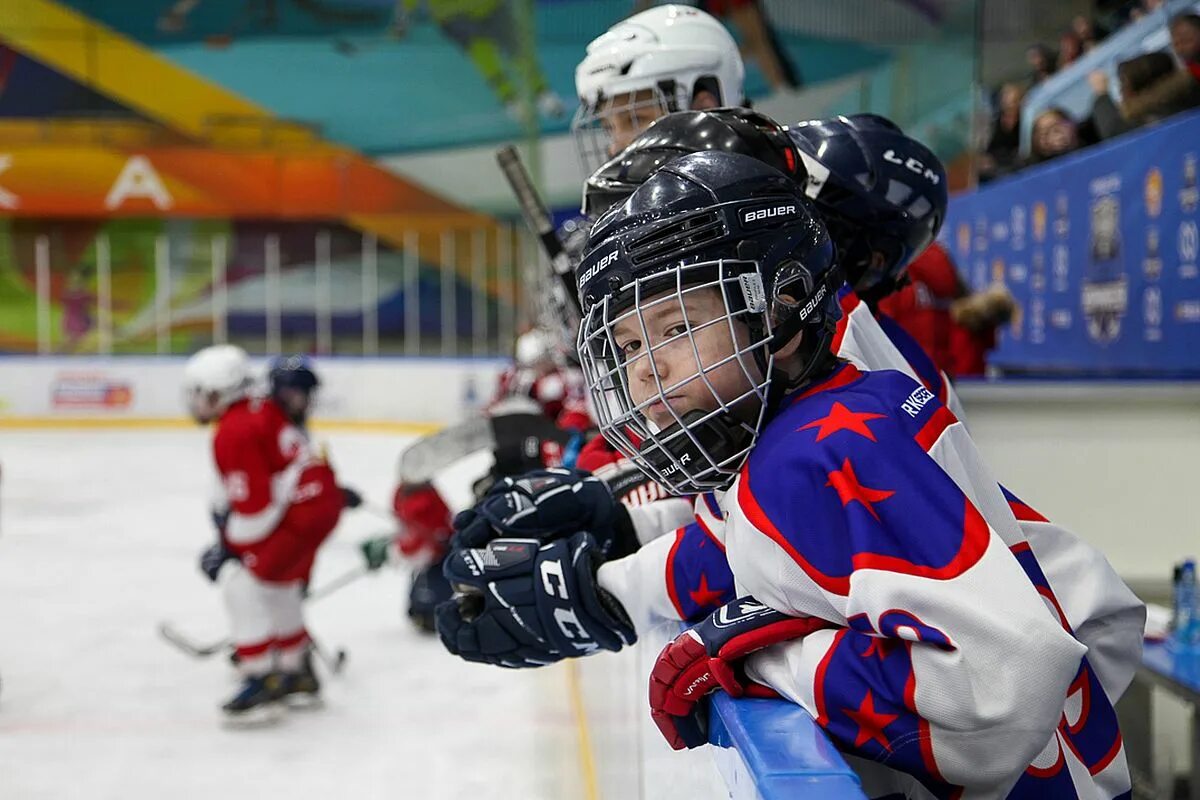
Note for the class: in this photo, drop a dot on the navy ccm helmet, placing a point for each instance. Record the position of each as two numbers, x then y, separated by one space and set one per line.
882 195
734 252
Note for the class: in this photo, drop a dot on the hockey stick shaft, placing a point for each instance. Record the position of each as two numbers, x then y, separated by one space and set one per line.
537 217
378 511
333 662
346 578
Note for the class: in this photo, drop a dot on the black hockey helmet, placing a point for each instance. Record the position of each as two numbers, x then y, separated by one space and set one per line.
878 190
731 130
293 382
292 371
736 239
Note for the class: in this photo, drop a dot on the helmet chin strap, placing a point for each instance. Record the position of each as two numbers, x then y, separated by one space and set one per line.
813 349
708 437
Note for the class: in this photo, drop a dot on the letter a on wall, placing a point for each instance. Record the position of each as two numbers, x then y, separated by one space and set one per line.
138 179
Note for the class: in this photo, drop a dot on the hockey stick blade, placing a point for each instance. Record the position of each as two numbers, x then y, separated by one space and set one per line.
196 649
421 460
189 646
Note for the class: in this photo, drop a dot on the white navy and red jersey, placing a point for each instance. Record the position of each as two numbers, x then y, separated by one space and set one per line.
872 340
1104 613
281 496
952 669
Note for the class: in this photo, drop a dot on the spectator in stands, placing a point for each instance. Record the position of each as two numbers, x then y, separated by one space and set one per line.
1088 32
1153 87
1054 134
1041 60
1143 8
1002 155
1070 48
1185 41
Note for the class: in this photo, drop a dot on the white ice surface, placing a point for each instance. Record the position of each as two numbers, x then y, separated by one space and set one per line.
99 537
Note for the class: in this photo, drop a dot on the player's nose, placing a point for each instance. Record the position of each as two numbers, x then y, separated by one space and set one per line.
642 369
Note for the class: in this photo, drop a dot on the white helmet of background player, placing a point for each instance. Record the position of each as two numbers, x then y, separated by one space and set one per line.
535 349
214 379
667 58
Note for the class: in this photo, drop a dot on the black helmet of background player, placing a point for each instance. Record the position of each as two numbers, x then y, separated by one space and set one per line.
719 261
882 195
293 382
731 130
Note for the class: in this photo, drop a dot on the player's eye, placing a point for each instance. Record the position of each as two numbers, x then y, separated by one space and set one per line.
678 329
629 348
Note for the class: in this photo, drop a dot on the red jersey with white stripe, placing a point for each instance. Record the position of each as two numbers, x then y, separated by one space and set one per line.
266 465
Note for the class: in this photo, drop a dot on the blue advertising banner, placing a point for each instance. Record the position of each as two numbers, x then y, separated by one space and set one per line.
1100 251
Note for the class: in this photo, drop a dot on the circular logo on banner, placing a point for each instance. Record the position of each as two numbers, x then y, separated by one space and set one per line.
1152 264
1189 195
1016 225
1154 192
1037 269
1039 221
1188 245
1062 218
1152 306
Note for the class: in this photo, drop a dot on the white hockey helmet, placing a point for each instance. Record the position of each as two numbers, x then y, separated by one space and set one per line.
214 378
645 67
534 348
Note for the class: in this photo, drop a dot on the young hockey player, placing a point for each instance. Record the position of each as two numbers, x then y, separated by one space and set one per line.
293 383
667 58
903 602
279 501
882 196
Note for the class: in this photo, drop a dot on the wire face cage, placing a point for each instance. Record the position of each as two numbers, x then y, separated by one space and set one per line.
605 127
677 367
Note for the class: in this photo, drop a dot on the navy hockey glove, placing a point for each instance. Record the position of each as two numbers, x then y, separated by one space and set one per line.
350 498
546 504
522 603
213 558
708 657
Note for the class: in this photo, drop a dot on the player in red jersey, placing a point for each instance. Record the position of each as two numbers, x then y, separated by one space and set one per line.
278 502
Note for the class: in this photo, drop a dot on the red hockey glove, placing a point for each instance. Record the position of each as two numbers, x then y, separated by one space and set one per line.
707 657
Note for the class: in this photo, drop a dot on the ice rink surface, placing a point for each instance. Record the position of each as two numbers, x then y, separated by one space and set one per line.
100 532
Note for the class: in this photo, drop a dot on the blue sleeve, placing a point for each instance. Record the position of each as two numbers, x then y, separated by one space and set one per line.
698 576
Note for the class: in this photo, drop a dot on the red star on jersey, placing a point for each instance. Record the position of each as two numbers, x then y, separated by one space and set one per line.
879 647
843 419
702 595
850 490
871 723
